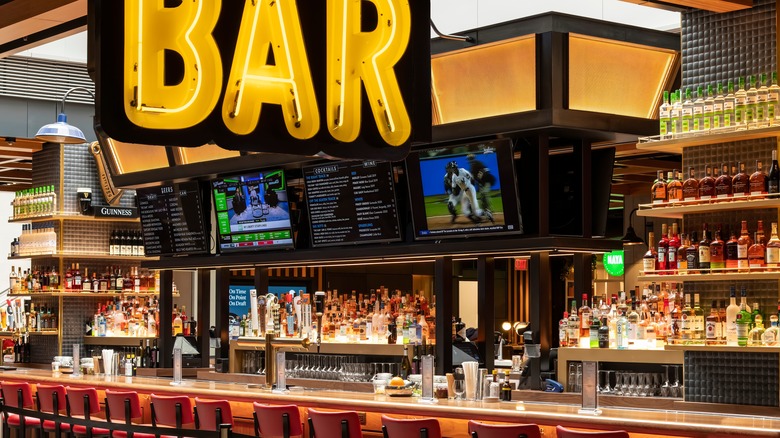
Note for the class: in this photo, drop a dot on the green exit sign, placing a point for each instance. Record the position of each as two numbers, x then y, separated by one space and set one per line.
613 263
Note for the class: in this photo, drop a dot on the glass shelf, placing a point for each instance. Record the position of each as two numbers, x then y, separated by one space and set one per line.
676 210
725 135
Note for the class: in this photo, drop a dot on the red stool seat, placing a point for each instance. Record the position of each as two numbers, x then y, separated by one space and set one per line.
14 421
123 434
562 432
410 427
82 430
485 430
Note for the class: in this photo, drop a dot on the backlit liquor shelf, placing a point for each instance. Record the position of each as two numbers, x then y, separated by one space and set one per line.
676 145
676 210
100 256
725 275
71 217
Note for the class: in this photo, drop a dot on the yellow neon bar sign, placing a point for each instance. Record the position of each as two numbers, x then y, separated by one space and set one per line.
355 58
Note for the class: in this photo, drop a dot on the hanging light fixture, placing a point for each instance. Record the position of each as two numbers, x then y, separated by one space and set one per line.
631 238
61 131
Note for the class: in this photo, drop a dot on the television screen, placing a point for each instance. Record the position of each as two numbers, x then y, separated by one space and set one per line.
252 211
351 202
464 190
173 220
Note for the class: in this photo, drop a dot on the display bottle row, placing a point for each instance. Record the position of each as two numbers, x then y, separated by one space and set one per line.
47 279
752 105
180 323
34 202
377 317
21 316
41 240
717 184
126 243
665 317
22 350
684 254
130 316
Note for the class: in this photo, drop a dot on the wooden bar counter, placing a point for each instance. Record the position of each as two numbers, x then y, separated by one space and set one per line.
453 415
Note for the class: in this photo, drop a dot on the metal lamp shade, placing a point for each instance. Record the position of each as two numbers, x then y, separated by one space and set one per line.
61 132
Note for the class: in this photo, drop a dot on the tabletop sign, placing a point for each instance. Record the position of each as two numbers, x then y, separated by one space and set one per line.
351 202
590 388
172 219
342 79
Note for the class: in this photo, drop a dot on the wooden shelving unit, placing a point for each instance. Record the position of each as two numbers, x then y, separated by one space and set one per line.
119 341
677 210
72 217
676 145
62 293
726 276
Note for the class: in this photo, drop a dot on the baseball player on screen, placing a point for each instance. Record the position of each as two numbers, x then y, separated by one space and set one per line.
459 184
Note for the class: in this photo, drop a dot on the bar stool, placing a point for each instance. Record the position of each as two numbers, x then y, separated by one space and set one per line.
172 411
341 424
52 400
18 395
277 420
210 414
406 427
124 406
83 402
562 432
485 430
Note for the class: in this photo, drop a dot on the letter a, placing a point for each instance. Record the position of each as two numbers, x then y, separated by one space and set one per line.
270 25
151 30
353 55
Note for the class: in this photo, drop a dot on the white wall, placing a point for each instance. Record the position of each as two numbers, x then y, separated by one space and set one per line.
468 303
7 233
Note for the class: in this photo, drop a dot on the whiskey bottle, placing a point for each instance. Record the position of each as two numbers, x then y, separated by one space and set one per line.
585 318
773 183
690 188
740 185
711 325
743 244
704 252
674 187
717 261
758 180
663 247
692 254
658 194
773 250
671 251
707 185
723 183
731 253
682 251
757 251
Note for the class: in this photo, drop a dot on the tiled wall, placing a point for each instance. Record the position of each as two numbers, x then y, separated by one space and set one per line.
720 377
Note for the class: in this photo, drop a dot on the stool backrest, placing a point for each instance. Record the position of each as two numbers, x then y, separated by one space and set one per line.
342 424
52 398
173 411
209 414
83 401
122 405
562 432
485 430
410 427
17 394
277 420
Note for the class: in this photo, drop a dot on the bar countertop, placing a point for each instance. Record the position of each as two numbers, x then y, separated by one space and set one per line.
671 422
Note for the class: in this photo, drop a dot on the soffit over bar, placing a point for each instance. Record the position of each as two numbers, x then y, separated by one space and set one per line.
707 5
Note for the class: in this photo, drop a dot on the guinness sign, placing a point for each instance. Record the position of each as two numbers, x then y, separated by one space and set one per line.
118 212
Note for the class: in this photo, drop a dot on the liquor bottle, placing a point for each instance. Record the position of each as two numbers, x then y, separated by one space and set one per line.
729 106
621 331
758 180
573 327
691 256
756 334
687 113
674 187
709 110
671 251
703 264
658 194
682 251
773 250
762 96
722 327
686 320
731 318
506 388
731 252
751 103
697 325
723 183
756 314
663 247
674 114
772 333
712 325
595 325
650 259
707 185
603 334
698 112
690 188
717 261
773 179
717 107
740 105
743 244
633 324
13 281
664 115
772 99
743 321
406 366
563 332
177 325
740 183
757 251
585 319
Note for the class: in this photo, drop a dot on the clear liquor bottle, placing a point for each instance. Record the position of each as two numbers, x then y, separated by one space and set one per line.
772 99
697 325
744 320
740 105
731 318
711 325
717 107
687 113
762 97
709 110
686 320
690 188
675 114
758 180
773 250
740 183
698 112
707 185
664 116
573 326
751 103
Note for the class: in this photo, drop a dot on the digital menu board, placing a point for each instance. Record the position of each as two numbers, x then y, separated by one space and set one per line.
252 211
351 202
172 219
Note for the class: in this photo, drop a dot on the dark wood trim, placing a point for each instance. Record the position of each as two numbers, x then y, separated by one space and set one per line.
486 312
38 38
165 330
204 308
583 150
222 312
543 170
540 298
442 286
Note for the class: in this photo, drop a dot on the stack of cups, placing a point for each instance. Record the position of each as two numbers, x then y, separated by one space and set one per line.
470 374
108 362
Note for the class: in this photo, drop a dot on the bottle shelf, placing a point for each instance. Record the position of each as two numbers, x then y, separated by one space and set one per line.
721 276
119 341
678 209
45 333
725 135
72 217
62 293
81 256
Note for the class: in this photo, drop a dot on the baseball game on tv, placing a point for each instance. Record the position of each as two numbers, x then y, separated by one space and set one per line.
465 190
